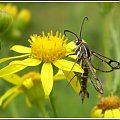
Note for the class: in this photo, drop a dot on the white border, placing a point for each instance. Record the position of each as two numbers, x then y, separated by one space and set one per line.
59 117
60 1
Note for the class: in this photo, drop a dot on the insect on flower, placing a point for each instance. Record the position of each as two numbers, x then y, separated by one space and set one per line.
84 56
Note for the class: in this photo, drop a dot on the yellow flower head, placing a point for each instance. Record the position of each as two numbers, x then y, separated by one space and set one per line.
108 107
49 52
24 84
24 15
12 9
29 78
48 48
29 84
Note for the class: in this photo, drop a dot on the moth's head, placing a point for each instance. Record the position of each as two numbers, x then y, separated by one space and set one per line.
78 40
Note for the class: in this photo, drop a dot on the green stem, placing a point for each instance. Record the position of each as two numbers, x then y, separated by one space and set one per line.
52 104
42 109
14 110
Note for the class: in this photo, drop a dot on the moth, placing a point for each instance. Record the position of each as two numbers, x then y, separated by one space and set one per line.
83 58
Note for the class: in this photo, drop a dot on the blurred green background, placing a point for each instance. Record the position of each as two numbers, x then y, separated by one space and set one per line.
58 16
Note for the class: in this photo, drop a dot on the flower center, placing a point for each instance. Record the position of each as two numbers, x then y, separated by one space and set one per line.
111 102
48 48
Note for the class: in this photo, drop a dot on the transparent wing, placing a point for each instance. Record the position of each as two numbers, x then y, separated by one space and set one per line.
102 63
95 81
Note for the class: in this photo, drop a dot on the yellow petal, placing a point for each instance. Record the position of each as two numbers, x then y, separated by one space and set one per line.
96 113
59 76
72 56
47 78
10 58
21 49
10 69
71 45
116 113
29 104
7 94
13 78
28 83
72 79
27 62
68 65
108 114
7 102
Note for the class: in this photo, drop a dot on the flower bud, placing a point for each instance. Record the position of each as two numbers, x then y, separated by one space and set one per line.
22 19
24 15
5 21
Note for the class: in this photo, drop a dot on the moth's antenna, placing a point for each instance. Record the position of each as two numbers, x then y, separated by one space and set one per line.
85 18
71 32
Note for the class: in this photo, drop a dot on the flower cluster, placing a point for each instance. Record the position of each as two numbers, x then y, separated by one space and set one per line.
20 18
108 107
28 84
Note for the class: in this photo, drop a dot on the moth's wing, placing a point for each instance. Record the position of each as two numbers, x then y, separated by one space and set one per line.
102 63
95 81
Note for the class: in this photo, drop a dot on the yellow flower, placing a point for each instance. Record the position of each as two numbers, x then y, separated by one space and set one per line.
108 107
12 9
29 84
24 15
49 52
